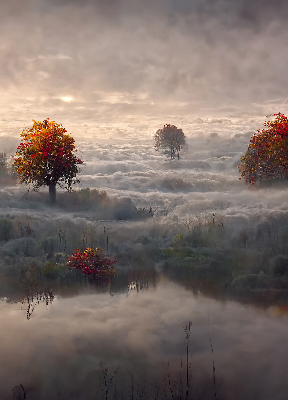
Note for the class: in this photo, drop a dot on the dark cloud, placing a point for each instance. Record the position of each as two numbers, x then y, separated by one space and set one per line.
249 11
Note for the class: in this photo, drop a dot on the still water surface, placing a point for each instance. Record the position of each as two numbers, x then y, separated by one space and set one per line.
131 345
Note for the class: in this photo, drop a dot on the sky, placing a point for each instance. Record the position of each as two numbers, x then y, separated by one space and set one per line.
125 66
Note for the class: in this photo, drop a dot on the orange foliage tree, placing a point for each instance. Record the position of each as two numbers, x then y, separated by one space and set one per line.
170 137
45 157
266 158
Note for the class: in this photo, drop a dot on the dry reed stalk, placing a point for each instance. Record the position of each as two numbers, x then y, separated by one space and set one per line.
214 370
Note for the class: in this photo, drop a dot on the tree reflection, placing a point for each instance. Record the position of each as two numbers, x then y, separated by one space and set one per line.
19 393
32 299
142 279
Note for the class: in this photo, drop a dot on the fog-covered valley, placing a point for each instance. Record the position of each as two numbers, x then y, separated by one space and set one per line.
172 212
198 306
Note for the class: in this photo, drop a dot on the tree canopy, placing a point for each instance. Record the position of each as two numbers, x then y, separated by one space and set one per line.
266 158
45 157
93 263
171 138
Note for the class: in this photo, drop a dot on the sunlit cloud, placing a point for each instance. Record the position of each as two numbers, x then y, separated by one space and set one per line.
140 67
49 57
67 99
121 97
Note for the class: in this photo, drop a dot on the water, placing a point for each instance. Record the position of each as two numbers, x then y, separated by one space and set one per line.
63 349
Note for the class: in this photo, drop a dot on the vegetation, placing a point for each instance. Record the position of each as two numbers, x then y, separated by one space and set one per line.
266 158
171 138
92 262
3 164
7 175
45 157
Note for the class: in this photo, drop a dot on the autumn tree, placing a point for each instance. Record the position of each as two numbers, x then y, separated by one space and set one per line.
266 158
94 263
46 157
171 138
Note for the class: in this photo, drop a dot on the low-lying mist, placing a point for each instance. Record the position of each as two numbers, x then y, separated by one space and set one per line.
190 221
64 350
188 217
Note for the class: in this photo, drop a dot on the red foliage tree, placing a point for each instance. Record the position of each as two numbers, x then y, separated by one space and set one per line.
266 158
93 263
45 157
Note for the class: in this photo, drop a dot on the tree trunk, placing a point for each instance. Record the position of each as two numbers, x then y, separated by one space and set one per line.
52 193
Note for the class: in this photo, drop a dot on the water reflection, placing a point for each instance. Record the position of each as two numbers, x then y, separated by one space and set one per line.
32 299
32 289
19 393
74 349
142 279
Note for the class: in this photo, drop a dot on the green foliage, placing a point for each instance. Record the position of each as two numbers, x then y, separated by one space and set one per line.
178 241
182 255
52 270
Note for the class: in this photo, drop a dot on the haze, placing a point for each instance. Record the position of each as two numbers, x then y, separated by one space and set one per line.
113 72
121 66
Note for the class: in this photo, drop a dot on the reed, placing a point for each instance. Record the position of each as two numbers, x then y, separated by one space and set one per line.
107 380
214 370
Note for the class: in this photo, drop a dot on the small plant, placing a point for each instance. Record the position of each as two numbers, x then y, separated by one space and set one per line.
93 263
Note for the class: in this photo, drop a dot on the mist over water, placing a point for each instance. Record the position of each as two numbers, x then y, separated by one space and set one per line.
60 348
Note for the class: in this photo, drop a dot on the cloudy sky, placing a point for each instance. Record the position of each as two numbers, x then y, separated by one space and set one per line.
138 63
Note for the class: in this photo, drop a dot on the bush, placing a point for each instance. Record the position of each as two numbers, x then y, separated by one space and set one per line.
93 263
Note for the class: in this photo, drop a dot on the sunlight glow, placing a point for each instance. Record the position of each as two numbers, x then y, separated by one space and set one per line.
67 99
